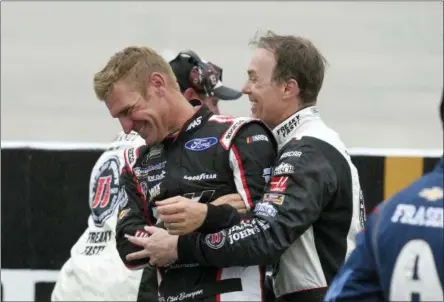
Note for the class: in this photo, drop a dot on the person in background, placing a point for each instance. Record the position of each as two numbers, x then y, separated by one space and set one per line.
399 255
94 272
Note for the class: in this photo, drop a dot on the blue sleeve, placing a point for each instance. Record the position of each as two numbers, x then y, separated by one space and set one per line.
358 279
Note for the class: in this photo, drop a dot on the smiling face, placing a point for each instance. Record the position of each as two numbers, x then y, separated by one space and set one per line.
139 87
147 115
264 93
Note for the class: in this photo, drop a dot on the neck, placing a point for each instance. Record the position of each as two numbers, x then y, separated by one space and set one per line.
181 111
291 109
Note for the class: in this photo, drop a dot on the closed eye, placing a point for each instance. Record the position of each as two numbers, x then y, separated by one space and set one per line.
126 111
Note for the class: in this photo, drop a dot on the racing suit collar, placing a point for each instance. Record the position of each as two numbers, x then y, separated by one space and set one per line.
289 128
199 118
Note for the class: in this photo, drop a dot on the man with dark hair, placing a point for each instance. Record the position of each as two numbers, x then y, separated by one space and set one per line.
306 222
399 256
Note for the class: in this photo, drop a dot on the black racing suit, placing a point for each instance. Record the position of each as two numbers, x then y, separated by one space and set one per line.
212 156
307 220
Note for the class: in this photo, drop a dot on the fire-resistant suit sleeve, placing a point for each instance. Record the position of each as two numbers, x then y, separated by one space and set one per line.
302 182
131 219
251 156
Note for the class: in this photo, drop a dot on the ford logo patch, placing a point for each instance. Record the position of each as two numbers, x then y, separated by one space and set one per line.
200 144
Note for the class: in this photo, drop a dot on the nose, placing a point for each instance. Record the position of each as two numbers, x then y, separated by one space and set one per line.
127 124
246 88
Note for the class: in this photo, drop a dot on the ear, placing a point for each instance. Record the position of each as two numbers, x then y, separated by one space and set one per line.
157 80
191 94
291 89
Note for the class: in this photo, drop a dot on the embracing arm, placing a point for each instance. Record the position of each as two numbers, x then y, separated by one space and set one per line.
251 156
294 199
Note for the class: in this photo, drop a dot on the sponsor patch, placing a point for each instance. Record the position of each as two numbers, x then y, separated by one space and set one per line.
157 177
278 184
216 240
275 198
140 172
199 177
283 169
243 230
257 138
267 175
124 213
289 126
156 166
291 154
265 209
155 151
201 144
154 191
104 194
194 123
231 132
432 194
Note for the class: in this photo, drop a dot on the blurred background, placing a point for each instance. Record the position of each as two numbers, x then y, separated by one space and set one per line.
381 90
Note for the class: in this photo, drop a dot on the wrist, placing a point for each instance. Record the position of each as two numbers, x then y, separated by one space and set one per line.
186 245
216 218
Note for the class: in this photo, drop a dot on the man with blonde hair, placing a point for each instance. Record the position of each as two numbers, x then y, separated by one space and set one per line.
94 262
190 153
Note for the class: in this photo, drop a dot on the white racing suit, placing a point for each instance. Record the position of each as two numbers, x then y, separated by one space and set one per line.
95 272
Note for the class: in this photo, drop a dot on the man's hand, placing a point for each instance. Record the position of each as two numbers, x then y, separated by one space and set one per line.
181 215
234 200
160 247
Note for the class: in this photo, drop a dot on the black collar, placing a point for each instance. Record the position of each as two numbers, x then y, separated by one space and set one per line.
199 119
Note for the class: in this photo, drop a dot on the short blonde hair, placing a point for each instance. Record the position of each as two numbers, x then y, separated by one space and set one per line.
134 65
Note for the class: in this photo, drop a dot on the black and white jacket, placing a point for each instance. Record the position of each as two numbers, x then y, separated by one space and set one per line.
306 222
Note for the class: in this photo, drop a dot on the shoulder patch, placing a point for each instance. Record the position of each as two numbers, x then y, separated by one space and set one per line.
235 125
131 155
104 189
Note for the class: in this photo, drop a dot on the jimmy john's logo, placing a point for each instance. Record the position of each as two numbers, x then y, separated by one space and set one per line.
216 240
104 194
